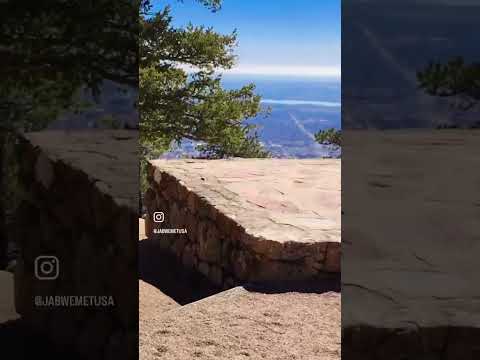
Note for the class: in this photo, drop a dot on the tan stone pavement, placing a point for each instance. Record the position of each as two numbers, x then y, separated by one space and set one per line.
277 199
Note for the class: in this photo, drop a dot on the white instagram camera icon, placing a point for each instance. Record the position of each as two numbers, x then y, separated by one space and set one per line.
46 267
158 217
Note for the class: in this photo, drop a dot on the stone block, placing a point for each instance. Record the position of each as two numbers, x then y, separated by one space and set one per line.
210 246
178 243
333 257
240 265
192 202
191 226
161 204
224 224
182 192
314 264
203 208
177 216
188 257
201 232
237 232
227 249
169 191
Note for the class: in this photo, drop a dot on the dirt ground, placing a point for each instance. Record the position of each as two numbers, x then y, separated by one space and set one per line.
240 324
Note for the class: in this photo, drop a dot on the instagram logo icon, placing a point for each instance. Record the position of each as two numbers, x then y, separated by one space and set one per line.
46 267
158 217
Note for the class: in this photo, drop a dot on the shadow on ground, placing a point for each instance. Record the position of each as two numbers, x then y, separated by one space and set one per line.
330 282
166 273
19 343
17 340
162 270
442 342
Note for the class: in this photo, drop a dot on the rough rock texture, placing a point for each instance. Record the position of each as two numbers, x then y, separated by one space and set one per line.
80 204
152 304
418 284
248 220
153 301
239 324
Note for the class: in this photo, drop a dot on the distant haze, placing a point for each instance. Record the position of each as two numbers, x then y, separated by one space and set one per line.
301 102
297 109
286 70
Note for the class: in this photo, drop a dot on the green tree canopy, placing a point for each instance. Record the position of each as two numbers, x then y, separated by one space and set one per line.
329 136
181 95
52 49
454 79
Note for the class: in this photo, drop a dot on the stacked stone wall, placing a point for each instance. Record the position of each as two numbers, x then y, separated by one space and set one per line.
219 247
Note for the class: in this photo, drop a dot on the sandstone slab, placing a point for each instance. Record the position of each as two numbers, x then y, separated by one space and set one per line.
422 184
275 199
152 304
249 219
109 157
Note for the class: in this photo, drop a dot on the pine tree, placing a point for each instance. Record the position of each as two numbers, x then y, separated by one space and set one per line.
181 95
454 79
52 49
329 136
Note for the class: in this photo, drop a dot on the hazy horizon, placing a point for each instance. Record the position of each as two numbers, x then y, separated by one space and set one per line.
280 39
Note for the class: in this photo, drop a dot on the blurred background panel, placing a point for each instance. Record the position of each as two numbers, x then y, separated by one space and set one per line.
69 175
410 74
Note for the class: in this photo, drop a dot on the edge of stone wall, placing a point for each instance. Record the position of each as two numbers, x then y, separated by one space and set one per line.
221 249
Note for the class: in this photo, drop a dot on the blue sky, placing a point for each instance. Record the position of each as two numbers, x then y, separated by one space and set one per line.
276 37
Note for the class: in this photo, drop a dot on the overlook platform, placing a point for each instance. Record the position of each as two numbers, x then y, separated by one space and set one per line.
281 200
249 220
